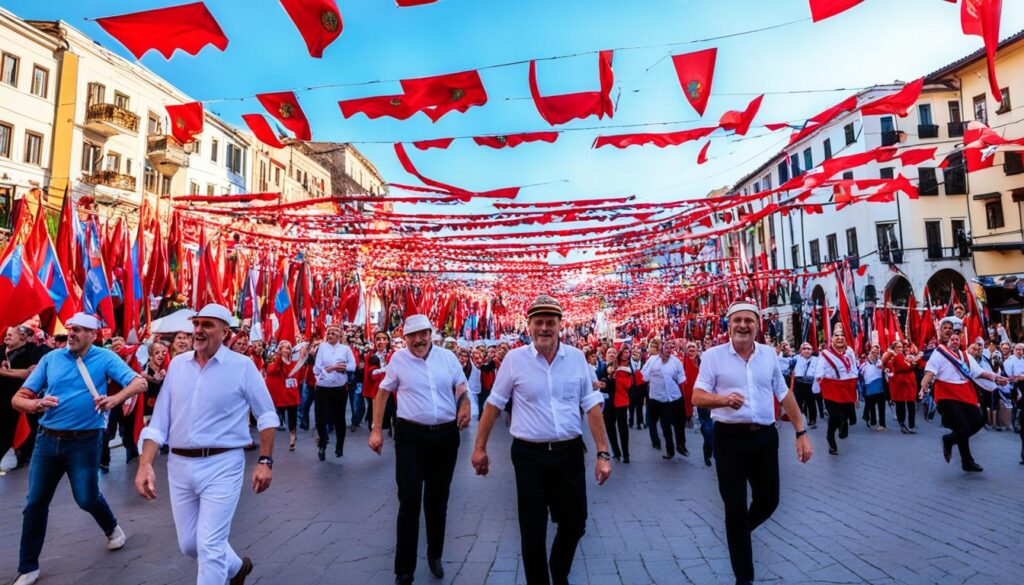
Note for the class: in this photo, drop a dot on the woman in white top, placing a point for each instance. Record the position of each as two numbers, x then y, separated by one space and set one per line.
874 389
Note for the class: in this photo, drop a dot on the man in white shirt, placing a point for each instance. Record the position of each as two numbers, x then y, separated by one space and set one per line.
433 406
801 383
334 360
202 412
740 381
664 372
549 383
1013 367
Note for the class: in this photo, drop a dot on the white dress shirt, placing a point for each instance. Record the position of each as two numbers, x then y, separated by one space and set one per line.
985 365
474 379
201 407
945 371
1014 366
664 376
424 388
723 371
547 397
805 367
827 360
871 371
328 355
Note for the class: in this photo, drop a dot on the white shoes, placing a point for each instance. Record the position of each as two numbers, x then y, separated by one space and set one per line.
116 538
27 578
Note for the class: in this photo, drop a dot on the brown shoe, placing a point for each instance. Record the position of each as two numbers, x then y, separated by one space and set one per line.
239 578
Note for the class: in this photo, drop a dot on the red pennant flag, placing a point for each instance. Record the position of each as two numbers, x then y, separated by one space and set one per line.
702 157
976 160
262 130
695 72
285 107
822 9
661 140
514 140
318 21
406 3
559 109
395 106
440 94
188 27
916 156
898 103
740 121
815 122
441 143
981 18
186 121
406 162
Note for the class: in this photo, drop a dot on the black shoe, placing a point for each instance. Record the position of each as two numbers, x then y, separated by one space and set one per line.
403 579
972 467
322 453
813 425
667 456
626 459
844 430
707 461
682 451
104 468
744 582
947 450
435 567
656 446
904 430
338 453
243 572
911 431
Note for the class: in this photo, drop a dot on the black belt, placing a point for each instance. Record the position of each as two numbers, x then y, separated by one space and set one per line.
440 426
202 452
550 445
69 434
742 427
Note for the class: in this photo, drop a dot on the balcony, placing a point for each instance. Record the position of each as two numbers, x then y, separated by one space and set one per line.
166 154
927 131
111 179
955 129
109 120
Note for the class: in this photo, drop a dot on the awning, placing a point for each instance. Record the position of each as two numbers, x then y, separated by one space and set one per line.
983 196
1017 195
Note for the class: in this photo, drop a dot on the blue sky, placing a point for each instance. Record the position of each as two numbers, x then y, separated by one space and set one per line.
877 42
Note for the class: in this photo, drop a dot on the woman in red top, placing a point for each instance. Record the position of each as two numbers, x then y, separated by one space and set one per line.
691 368
373 371
283 376
903 383
627 379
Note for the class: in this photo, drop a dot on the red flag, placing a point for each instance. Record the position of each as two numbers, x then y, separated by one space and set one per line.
186 121
406 162
740 121
898 103
188 27
405 3
436 96
69 239
207 286
822 9
282 306
435 143
696 72
559 109
318 21
660 140
981 18
702 156
21 432
514 140
18 280
155 280
815 122
262 130
395 106
285 107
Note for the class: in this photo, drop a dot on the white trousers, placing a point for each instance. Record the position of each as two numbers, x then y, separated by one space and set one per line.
204 495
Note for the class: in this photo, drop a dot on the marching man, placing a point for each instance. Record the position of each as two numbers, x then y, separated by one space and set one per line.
837 372
202 412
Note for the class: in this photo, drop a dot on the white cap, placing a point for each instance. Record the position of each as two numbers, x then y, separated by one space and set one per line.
743 306
953 320
449 340
215 311
414 323
84 320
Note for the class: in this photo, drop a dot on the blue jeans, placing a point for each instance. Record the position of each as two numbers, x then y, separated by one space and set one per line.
51 459
307 403
355 398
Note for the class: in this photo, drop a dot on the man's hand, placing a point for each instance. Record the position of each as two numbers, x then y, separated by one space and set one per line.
804 451
464 415
104 403
481 462
602 471
376 440
45 403
145 481
734 400
261 477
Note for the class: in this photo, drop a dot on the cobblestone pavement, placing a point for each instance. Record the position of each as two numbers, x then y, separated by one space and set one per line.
887 510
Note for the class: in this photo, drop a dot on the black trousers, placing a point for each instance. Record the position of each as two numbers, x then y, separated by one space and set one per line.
963 421
617 426
672 416
481 400
555 482
906 412
119 423
637 398
8 422
875 407
805 399
744 456
1020 416
291 413
840 415
707 430
329 407
424 464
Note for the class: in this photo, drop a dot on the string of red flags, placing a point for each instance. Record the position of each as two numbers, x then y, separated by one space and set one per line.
822 9
659 139
739 122
434 96
188 27
898 103
559 109
407 3
981 18
403 159
318 21
284 106
260 128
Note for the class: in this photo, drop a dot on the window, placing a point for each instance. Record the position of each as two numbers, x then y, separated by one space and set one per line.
9 69
888 246
209 190
954 112
851 242
980 109
6 135
795 252
128 166
994 214
794 161
153 124
808 159
150 177
1013 163
886 173
954 176
121 101
924 114
91 156
113 162
960 237
214 147
833 247
933 238
33 148
165 185
850 136
197 146
1004 106
193 188
6 202
766 182
234 159
928 181
815 252
277 176
97 93
848 176
40 81
828 148
783 172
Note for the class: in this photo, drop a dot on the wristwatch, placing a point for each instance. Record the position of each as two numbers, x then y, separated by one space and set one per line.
801 433
266 460
604 455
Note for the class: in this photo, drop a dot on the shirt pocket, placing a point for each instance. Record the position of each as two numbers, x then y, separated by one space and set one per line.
570 390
